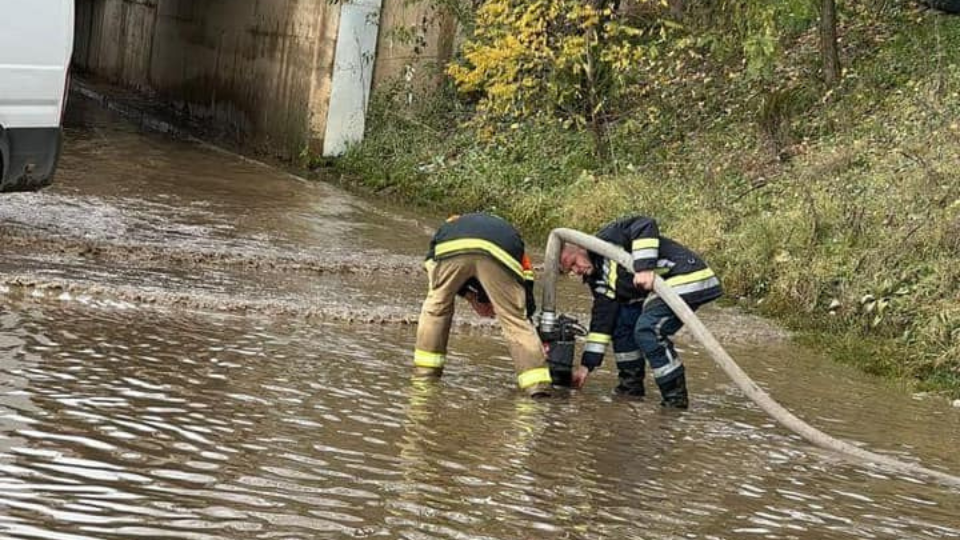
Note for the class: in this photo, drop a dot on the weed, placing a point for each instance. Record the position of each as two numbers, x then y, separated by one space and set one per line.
849 230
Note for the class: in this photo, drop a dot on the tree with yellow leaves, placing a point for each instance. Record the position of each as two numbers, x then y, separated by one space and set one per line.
562 60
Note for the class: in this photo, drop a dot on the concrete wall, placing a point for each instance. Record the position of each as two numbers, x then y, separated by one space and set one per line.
257 70
416 42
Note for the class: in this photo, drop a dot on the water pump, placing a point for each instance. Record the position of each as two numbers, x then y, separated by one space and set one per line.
559 340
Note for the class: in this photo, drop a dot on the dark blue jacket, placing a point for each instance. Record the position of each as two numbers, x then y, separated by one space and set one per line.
612 284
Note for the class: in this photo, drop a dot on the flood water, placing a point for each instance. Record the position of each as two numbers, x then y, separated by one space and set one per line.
195 346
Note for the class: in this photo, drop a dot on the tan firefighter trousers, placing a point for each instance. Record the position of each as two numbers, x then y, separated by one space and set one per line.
508 297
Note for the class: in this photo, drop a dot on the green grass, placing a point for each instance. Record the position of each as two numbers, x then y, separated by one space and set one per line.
837 213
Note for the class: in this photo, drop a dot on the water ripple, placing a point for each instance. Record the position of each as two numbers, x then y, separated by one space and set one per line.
206 427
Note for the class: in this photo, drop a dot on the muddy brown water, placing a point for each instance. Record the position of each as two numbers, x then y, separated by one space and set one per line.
193 346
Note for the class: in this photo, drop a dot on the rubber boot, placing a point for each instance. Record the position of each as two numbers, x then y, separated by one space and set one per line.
631 383
427 372
563 379
674 393
542 390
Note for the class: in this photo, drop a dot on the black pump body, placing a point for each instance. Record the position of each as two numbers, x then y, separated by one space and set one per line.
560 344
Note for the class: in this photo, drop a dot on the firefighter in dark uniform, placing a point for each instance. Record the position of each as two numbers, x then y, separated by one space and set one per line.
481 258
626 314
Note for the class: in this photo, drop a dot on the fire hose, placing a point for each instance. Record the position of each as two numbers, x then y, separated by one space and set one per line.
549 322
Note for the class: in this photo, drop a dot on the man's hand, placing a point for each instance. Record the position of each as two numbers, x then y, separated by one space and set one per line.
483 309
643 280
579 377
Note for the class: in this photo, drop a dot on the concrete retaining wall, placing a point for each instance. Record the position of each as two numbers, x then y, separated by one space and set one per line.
416 41
259 71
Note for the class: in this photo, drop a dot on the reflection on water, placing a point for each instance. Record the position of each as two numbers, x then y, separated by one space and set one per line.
120 426
164 373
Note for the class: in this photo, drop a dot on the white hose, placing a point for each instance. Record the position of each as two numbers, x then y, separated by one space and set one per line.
737 375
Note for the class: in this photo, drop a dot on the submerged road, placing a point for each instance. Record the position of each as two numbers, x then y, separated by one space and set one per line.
195 346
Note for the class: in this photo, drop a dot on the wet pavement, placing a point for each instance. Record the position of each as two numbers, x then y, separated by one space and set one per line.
195 346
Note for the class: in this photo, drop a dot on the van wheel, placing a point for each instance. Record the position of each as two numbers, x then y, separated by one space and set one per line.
26 183
30 156
4 148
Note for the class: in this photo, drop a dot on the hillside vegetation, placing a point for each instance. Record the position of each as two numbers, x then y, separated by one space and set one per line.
834 209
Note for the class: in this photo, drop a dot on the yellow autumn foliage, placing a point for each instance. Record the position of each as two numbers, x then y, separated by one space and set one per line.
562 58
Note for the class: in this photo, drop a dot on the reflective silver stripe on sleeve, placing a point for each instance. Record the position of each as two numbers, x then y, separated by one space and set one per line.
629 356
697 286
592 347
645 254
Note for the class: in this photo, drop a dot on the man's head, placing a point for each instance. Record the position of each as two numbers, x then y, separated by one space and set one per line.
574 258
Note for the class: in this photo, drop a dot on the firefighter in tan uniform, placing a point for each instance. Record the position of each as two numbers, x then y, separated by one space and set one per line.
481 258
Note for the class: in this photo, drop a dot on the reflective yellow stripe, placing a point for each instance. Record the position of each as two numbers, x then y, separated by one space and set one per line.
428 359
465 244
612 276
645 243
533 376
699 275
597 337
528 275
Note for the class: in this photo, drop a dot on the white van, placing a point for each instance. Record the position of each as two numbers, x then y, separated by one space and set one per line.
36 42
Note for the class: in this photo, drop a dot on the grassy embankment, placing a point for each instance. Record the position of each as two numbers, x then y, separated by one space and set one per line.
837 213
